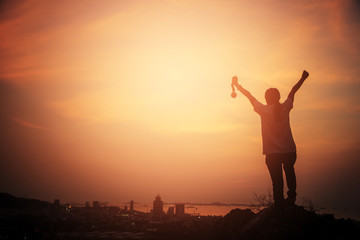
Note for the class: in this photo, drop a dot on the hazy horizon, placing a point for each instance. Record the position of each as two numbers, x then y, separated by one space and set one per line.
122 100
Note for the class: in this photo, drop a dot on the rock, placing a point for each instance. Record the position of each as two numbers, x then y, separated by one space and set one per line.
295 223
232 224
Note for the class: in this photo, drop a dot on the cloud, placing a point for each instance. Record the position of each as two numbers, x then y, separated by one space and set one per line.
28 124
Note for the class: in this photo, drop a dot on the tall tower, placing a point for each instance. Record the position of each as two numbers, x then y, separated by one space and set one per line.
131 205
158 207
180 209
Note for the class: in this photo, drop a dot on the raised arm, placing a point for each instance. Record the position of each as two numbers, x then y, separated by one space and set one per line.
298 85
242 90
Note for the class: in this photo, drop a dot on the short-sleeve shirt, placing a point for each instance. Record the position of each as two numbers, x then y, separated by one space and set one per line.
276 132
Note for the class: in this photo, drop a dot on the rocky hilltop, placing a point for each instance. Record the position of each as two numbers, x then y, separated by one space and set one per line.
297 223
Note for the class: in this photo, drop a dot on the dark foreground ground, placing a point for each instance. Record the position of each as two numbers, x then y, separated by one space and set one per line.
33 219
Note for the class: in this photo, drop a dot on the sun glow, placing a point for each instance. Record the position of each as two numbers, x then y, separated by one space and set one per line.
138 92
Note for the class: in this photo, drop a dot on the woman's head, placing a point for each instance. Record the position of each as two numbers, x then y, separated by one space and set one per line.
272 96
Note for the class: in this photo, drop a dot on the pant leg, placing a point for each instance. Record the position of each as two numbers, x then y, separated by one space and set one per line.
274 165
288 163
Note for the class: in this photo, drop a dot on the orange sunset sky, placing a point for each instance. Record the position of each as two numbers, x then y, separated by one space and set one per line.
120 100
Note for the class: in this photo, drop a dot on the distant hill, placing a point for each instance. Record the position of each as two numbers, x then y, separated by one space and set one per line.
9 201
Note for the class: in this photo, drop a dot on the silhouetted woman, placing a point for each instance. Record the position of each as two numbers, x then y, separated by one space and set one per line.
278 143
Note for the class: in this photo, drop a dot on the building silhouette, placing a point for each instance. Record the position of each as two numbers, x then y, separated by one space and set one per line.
158 206
180 209
171 211
96 204
131 205
56 202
